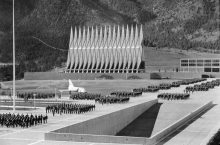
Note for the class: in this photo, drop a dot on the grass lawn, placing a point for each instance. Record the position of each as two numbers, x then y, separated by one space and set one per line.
92 86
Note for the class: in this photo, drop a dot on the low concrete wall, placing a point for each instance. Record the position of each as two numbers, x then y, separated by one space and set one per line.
95 138
108 124
56 135
79 76
173 127
189 75
93 76
103 128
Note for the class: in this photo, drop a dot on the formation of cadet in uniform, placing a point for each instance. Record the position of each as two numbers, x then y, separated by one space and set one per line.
203 86
114 97
24 121
110 99
176 84
84 96
166 86
126 94
173 96
192 81
148 89
68 108
32 95
123 96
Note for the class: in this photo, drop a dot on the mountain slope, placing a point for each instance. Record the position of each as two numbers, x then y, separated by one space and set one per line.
183 24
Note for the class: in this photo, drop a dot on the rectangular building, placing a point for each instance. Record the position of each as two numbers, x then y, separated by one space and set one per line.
200 65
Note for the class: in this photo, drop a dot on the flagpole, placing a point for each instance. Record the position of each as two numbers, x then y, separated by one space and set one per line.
13 56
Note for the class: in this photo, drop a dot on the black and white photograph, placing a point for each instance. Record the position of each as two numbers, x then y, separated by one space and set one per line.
109 72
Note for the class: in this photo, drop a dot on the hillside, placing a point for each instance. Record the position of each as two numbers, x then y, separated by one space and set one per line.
182 24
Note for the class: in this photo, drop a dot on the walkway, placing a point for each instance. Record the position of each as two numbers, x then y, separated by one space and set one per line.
200 129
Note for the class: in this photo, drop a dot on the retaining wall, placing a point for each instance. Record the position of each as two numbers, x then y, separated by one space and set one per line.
103 128
108 128
108 124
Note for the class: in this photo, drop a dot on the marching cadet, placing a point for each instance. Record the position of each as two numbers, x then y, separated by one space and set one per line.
69 108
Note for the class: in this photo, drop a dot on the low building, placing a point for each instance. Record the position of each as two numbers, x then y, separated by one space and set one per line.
200 65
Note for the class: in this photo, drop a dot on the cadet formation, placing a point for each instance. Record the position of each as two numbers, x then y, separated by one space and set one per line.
67 108
24 121
123 96
148 89
166 86
32 95
126 94
173 96
114 97
84 96
203 86
110 99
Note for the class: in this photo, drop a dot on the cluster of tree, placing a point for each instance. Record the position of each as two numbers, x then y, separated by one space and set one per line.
163 36
132 9
6 72
31 54
175 33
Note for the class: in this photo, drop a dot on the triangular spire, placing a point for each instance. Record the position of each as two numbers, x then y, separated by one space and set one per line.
92 43
79 39
71 39
113 37
118 37
122 37
84 37
100 37
127 36
141 34
109 37
75 38
136 37
105 37
88 37
132 36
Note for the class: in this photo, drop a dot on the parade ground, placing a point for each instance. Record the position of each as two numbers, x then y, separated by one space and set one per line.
196 132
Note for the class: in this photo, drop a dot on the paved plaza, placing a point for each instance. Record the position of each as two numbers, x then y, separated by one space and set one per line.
191 134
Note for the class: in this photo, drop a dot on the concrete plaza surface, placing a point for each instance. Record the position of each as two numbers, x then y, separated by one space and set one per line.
35 135
191 134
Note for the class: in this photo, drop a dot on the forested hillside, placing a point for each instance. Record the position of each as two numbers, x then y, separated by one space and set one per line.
183 24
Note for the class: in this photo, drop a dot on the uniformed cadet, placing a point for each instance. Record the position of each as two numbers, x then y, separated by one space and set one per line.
173 96
65 108
12 120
